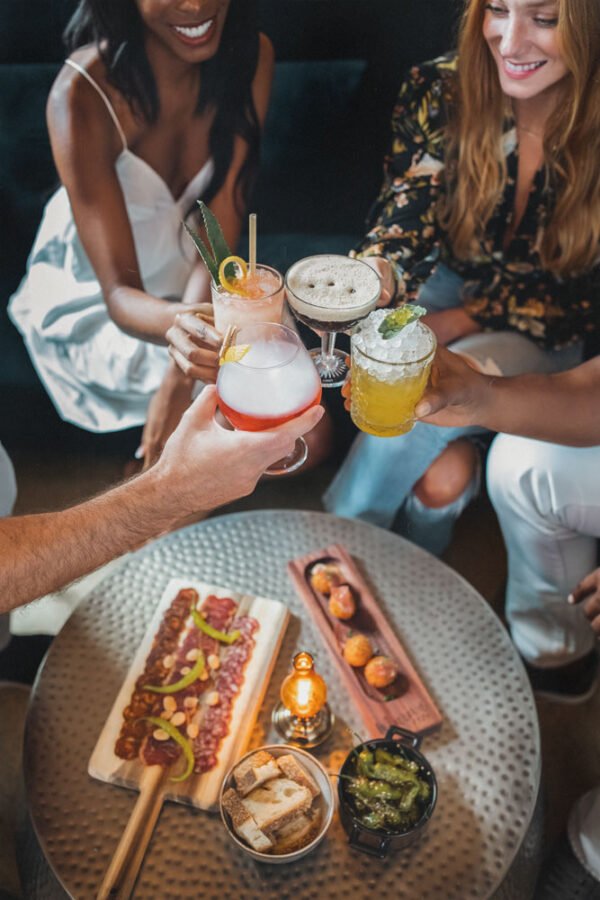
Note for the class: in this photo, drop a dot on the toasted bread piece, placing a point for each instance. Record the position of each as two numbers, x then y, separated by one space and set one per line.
276 803
244 824
297 833
291 768
254 771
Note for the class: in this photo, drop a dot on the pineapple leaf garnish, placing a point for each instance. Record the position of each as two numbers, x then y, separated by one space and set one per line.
216 238
219 249
399 318
204 253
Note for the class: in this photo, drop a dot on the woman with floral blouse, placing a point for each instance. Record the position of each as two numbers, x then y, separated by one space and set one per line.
489 214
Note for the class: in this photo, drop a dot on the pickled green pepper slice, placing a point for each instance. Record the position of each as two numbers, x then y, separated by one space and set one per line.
179 739
193 675
201 623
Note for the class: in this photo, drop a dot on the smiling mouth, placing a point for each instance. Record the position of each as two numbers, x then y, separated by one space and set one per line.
522 68
194 33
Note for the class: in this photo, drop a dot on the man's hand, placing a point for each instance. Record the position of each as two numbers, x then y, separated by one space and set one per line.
194 343
455 394
204 465
588 590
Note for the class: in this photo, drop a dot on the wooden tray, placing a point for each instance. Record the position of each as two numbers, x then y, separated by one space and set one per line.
406 702
199 790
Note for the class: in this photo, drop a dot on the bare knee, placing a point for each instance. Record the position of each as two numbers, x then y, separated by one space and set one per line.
449 475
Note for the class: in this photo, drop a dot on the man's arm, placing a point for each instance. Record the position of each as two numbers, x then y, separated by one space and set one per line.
563 408
202 466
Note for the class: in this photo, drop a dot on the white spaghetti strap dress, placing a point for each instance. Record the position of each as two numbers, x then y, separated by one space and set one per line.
98 377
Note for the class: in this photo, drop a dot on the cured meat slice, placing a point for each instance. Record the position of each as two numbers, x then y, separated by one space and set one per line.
176 649
217 719
218 612
145 703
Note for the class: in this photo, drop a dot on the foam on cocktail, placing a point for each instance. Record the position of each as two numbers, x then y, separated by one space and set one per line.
332 288
411 343
258 387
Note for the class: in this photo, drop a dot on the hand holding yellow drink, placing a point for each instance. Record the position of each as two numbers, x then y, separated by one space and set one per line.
392 354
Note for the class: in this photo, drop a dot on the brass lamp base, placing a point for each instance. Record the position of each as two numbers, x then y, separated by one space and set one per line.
300 732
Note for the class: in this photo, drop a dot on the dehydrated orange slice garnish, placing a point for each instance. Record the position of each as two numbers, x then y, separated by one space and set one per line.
234 285
234 353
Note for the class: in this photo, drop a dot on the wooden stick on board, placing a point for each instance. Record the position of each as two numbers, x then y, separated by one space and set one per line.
134 863
138 832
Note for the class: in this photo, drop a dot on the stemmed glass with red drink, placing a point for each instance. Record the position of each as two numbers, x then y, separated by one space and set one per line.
270 380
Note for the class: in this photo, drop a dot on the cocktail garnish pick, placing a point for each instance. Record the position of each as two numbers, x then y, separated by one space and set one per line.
399 318
227 340
229 351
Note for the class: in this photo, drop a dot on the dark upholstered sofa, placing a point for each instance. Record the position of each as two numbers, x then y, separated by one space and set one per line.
339 63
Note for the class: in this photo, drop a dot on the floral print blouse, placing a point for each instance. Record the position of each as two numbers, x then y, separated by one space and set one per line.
504 288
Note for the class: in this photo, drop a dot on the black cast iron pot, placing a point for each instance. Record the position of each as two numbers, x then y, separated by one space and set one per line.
378 842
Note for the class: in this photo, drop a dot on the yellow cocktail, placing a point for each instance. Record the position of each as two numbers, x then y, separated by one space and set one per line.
389 376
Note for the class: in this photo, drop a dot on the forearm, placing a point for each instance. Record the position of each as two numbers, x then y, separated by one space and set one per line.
562 408
41 553
197 289
140 314
450 325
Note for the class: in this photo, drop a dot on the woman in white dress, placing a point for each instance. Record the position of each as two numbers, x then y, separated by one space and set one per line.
160 103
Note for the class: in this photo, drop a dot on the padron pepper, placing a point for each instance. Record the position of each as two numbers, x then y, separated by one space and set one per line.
179 739
392 774
193 675
201 623
395 759
374 790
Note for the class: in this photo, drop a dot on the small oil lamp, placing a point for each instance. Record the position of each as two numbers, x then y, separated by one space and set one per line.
302 716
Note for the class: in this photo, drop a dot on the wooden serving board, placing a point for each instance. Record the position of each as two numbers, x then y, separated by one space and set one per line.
199 790
406 702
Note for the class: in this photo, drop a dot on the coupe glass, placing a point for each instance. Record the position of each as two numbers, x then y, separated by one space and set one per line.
272 382
331 293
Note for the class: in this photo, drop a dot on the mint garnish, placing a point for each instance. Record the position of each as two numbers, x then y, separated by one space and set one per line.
218 244
399 318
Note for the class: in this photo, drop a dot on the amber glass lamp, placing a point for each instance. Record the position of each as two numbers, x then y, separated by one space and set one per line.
303 716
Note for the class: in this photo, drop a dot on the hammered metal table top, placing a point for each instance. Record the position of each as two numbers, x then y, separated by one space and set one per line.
486 755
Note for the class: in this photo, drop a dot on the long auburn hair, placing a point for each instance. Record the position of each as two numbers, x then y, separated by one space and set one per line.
117 29
476 168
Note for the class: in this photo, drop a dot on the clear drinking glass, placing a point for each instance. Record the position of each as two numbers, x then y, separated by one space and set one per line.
262 302
274 381
331 293
389 377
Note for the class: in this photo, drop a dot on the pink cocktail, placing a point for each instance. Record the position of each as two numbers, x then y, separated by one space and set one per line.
260 300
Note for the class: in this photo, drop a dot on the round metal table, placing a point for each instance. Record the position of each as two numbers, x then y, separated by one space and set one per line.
484 838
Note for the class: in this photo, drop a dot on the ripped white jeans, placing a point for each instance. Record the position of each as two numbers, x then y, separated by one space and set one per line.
547 499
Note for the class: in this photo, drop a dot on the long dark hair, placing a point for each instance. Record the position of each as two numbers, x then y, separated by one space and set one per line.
117 29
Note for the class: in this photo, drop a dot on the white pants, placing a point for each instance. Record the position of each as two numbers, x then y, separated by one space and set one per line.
548 503
584 831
